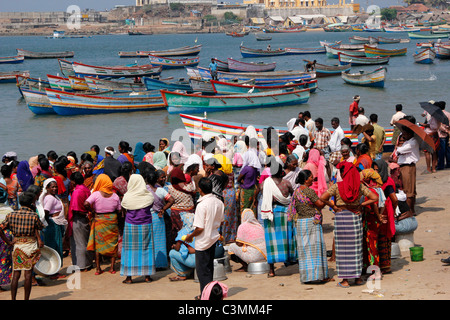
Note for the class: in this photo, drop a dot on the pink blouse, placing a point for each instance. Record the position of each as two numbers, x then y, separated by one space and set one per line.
101 204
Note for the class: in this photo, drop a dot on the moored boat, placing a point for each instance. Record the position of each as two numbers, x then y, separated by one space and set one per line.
425 56
177 102
262 37
78 83
171 63
156 84
37 101
221 87
116 86
332 52
11 60
44 55
10 76
378 52
359 40
346 59
182 51
442 52
305 50
222 65
240 66
428 36
31 83
323 70
59 83
66 67
82 70
249 52
201 85
374 78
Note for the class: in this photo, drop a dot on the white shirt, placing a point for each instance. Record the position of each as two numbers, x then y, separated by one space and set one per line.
397 116
208 216
311 126
298 131
409 152
362 120
335 140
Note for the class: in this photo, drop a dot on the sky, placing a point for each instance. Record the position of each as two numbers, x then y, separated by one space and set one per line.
62 5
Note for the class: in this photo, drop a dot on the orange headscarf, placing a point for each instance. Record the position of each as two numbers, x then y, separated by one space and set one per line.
103 183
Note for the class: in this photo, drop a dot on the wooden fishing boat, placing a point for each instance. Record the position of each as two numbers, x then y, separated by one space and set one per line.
359 40
382 40
155 84
240 66
222 65
332 52
11 60
78 84
198 127
182 51
346 59
37 101
374 78
258 77
59 83
235 34
427 36
377 52
177 102
442 52
262 37
31 83
171 63
10 76
326 43
44 55
200 85
67 104
323 70
82 70
221 87
305 50
248 52
425 56
116 86
66 67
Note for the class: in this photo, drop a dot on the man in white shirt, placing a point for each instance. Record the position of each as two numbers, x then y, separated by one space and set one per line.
310 125
207 221
397 116
408 155
335 141
299 129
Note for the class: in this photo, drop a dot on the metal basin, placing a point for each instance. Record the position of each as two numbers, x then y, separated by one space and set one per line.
395 251
258 267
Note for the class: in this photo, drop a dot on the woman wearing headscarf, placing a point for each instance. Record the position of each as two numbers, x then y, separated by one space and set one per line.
137 258
24 175
162 201
159 160
387 230
279 237
239 149
363 160
316 164
348 234
104 205
55 217
249 245
139 153
247 180
33 162
79 228
149 151
182 254
305 210
179 147
372 218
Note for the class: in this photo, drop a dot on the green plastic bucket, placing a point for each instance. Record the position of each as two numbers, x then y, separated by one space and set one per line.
416 253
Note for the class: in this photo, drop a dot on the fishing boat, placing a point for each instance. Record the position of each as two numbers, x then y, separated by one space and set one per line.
240 66
77 83
286 30
382 40
262 37
326 43
44 55
332 52
200 85
258 77
346 59
31 83
427 36
221 87
305 50
10 76
423 45
66 67
401 29
359 40
11 60
82 70
442 52
222 65
68 104
37 101
177 102
116 86
59 83
425 56
155 84
377 52
182 51
235 34
250 53
323 70
374 78
171 63
199 127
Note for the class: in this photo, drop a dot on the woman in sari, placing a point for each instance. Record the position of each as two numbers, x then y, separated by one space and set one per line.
139 153
247 180
137 258
348 234
239 150
104 206
149 151
24 175
387 231
249 245
159 160
305 210
88 174
363 160
125 149
162 202
79 228
164 146
316 164
182 254
279 237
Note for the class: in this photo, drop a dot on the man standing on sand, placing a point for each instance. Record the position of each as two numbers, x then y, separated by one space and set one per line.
207 220
353 111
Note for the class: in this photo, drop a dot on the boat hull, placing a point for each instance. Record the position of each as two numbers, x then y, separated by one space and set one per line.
345 59
371 79
239 66
11 60
250 53
168 63
220 87
44 55
177 52
37 102
424 57
377 52
83 70
154 84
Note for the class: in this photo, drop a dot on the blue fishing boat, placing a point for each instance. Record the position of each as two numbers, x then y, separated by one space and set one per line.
11 60
425 56
37 101
374 78
155 84
11 76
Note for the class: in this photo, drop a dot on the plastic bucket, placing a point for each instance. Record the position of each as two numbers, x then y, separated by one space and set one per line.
416 253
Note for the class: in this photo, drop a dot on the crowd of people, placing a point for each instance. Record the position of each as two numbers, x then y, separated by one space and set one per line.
259 196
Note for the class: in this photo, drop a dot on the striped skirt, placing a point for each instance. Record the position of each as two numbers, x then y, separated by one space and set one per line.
137 257
312 252
104 235
348 235
159 237
280 237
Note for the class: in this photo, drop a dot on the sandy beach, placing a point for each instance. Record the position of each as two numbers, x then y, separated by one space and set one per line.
425 280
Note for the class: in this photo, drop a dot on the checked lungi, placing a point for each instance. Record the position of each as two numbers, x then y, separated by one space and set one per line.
279 234
312 252
348 235
138 257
